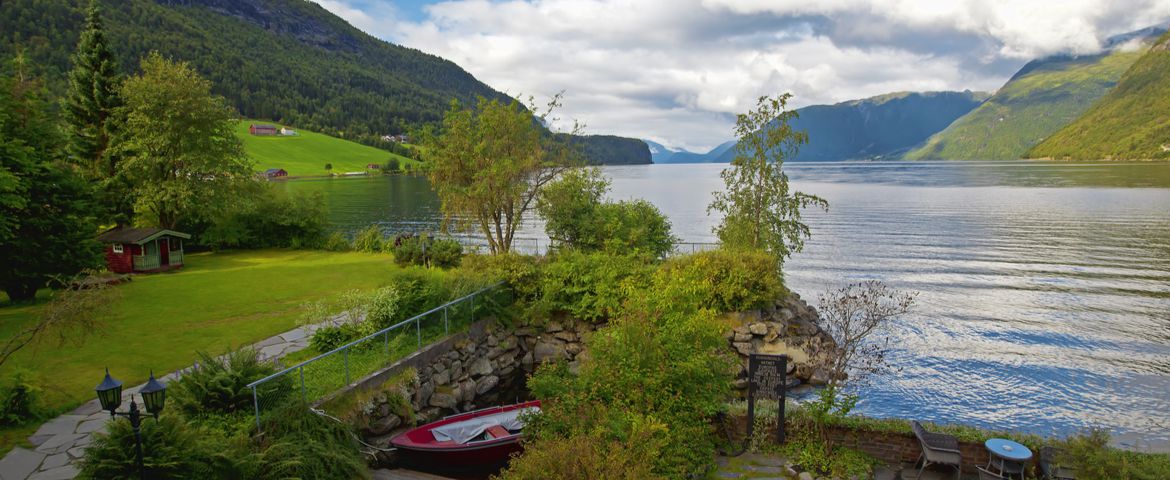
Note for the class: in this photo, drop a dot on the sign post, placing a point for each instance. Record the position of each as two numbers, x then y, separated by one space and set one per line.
767 377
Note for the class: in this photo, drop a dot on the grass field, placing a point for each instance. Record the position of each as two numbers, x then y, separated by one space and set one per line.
217 301
307 152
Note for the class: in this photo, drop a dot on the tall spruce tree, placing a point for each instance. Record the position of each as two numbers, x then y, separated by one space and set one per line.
89 110
46 207
92 98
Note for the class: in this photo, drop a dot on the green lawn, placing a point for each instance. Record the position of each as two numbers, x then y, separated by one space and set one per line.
307 152
217 301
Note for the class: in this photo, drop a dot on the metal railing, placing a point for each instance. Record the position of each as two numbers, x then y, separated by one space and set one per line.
360 357
686 248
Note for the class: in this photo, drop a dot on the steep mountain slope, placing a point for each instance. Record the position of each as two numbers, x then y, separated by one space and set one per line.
290 61
1132 121
306 153
877 127
1042 97
659 153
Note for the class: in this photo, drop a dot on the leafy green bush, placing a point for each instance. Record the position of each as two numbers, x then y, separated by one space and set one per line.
271 218
592 455
622 391
300 444
336 242
369 240
521 273
1090 455
591 286
220 386
329 337
170 450
426 251
721 280
382 307
577 216
20 399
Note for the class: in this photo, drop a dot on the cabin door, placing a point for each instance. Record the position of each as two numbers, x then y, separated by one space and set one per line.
164 252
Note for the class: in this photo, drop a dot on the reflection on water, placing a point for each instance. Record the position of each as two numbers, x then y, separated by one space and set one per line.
1044 299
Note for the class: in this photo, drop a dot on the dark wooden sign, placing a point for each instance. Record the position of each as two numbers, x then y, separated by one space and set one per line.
767 376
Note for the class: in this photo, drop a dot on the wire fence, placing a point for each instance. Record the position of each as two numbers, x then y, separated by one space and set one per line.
316 377
542 246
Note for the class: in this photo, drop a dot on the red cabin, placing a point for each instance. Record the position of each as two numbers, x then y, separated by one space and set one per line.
262 129
130 250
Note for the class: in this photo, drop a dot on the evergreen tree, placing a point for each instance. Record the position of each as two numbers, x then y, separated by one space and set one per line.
92 98
45 205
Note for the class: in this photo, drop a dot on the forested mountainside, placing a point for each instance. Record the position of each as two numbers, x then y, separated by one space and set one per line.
290 61
1044 96
878 127
1132 121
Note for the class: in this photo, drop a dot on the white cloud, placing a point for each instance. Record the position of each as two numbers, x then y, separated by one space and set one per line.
677 71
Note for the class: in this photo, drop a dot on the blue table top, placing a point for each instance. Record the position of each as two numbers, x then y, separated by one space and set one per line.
1007 449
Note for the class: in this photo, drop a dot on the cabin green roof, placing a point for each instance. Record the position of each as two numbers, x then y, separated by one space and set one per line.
138 236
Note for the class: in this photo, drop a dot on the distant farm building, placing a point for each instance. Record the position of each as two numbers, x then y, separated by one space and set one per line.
373 166
131 250
275 173
262 129
396 138
288 132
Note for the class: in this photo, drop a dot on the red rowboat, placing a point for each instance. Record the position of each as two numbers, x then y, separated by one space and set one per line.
468 442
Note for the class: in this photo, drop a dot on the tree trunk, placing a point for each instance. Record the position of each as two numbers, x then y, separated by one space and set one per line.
21 291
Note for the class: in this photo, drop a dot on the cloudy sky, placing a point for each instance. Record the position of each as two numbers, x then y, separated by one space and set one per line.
676 71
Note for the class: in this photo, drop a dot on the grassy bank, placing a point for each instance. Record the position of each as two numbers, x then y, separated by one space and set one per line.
217 301
306 153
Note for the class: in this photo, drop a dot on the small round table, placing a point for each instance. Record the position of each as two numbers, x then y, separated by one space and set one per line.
1011 455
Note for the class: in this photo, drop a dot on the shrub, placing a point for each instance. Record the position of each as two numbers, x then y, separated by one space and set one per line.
272 218
219 386
577 216
329 337
300 444
382 307
170 450
635 226
336 242
20 400
521 273
425 251
1093 459
593 455
419 290
591 286
369 240
623 391
721 280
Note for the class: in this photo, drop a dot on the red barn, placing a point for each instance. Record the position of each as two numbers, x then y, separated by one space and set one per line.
262 129
275 173
131 250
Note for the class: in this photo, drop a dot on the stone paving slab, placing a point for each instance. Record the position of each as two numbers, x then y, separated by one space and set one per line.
20 463
61 442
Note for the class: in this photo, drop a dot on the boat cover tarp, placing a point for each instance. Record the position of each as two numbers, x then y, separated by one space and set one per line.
466 430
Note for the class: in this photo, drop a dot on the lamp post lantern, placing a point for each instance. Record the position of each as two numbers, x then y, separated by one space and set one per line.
154 396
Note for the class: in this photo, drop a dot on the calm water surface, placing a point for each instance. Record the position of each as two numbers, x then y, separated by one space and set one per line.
1044 300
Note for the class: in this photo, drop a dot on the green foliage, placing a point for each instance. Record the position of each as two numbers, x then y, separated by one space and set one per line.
170 450
300 444
19 399
182 167
271 218
488 165
591 286
814 455
220 386
577 216
1127 123
329 337
1042 98
301 154
336 242
426 251
759 211
720 280
1092 458
47 225
596 454
369 240
521 273
624 394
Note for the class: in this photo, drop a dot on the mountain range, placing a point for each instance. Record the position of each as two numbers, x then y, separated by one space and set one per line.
288 61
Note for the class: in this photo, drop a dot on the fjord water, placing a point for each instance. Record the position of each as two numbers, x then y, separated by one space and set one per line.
1044 288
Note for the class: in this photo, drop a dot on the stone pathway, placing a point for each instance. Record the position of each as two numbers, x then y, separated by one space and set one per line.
759 466
61 442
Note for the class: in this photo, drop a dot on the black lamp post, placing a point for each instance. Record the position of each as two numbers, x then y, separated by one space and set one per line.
154 397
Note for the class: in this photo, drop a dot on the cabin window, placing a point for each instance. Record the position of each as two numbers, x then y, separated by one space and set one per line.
175 245
117 248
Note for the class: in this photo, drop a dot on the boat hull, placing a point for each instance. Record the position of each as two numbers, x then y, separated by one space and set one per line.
418 448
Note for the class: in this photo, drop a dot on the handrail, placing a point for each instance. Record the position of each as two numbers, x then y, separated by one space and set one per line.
372 335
